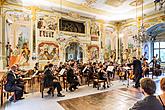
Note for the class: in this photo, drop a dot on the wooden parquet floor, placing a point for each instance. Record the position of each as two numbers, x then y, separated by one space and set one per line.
121 99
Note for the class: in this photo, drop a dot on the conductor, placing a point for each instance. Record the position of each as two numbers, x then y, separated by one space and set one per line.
137 71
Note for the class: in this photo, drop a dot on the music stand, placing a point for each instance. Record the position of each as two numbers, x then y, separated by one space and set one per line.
127 73
110 69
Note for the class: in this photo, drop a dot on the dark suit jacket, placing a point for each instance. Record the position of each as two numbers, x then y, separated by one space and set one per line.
137 67
71 77
11 81
148 103
48 78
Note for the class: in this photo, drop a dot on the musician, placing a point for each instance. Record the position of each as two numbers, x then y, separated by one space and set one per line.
145 68
111 73
77 73
12 86
137 71
20 82
154 62
50 80
103 74
72 78
155 66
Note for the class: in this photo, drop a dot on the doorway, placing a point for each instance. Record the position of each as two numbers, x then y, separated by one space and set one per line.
74 52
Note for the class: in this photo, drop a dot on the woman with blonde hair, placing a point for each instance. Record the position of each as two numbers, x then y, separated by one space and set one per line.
162 96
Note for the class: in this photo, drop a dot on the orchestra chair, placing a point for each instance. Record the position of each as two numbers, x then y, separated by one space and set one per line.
97 81
3 92
42 87
64 81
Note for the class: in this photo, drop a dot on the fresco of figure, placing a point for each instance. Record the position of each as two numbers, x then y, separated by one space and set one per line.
8 53
15 56
25 53
94 30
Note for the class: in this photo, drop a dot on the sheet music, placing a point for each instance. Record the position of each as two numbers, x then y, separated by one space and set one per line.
127 68
110 68
84 69
62 71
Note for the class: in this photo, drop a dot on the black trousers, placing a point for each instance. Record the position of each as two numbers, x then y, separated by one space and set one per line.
73 84
56 85
137 80
17 90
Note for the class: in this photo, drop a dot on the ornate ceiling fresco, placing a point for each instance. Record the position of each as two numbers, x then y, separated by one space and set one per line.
115 3
108 10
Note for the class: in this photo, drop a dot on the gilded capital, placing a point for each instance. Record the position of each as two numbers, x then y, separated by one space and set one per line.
118 25
2 2
33 9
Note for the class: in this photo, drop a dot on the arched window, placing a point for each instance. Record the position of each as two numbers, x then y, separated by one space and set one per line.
159 50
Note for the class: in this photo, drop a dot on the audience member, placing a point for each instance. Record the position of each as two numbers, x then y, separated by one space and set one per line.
162 96
150 102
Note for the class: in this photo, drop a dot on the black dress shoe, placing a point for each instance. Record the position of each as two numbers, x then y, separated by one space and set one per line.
71 89
49 93
26 92
60 95
11 99
75 88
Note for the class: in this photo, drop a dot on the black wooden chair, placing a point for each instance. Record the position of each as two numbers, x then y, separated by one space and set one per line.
42 87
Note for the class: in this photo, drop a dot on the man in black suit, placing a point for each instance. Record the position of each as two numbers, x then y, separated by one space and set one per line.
49 80
150 102
71 78
11 85
137 71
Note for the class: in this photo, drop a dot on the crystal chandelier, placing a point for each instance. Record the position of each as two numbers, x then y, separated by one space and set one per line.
160 4
141 36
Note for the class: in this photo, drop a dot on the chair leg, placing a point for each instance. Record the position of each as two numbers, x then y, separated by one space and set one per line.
14 97
104 85
42 94
1 98
52 92
7 95
66 87
98 87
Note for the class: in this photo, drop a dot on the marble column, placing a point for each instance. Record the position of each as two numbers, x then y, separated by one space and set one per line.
33 40
118 54
102 42
1 62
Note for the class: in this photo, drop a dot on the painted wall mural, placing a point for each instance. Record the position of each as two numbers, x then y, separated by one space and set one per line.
20 43
47 26
94 30
156 29
93 52
23 36
146 50
20 55
48 51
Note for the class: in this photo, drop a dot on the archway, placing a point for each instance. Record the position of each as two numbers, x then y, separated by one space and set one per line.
157 33
74 52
